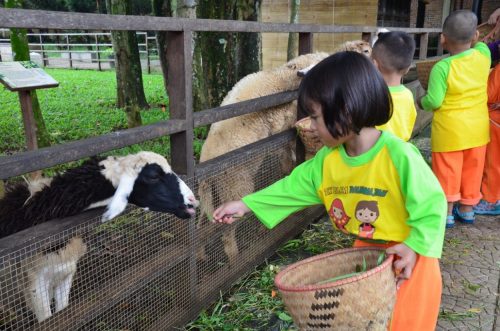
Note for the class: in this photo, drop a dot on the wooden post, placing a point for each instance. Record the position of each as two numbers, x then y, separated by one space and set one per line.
98 55
69 52
367 36
305 47
44 61
28 119
305 43
180 67
439 46
424 43
147 54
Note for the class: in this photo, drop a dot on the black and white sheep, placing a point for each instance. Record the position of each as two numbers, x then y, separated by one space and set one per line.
144 179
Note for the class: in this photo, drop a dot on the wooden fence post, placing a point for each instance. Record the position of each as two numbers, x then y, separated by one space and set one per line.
439 46
424 43
69 52
44 61
305 43
180 67
367 36
98 55
305 47
148 62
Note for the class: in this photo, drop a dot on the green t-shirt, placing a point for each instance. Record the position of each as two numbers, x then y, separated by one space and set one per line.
387 193
458 96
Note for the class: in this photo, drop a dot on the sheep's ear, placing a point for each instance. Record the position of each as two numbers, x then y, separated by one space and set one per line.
303 72
119 200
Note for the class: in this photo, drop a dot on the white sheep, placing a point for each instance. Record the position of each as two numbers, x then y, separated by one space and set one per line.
233 133
144 179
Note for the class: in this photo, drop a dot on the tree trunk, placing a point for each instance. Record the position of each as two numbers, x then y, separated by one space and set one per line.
20 51
227 57
293 38
249 46
130 89
162 8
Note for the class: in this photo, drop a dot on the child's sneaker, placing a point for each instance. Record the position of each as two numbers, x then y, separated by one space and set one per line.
466 217
450 221
487 208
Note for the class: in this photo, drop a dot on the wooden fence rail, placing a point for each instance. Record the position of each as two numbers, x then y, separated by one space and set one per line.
180 66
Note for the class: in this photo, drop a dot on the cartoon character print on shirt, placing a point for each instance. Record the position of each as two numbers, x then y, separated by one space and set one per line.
338 215
367 213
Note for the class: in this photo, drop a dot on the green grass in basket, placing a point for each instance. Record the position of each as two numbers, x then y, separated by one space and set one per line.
359 269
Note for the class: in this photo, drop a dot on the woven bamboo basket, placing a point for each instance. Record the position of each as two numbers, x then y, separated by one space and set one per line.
489 32
424 68
308 136
362 302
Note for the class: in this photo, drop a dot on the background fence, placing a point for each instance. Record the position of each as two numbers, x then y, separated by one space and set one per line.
81 50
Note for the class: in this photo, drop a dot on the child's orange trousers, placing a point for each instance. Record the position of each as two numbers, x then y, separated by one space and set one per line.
419 298
460 174
490 186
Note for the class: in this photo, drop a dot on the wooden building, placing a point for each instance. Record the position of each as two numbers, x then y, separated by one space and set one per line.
387 13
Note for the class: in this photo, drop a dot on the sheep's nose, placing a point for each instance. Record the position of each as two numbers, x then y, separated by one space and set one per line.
195 203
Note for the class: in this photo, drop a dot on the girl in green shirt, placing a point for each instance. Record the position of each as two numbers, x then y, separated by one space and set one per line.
372 184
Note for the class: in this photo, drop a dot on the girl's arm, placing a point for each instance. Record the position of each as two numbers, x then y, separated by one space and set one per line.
274 203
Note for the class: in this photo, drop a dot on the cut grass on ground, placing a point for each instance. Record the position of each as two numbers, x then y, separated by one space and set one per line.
253 303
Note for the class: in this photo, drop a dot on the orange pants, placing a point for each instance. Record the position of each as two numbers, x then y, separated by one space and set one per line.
490 187
419 298
460 174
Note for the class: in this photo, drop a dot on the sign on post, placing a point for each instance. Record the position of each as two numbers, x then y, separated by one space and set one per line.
23 77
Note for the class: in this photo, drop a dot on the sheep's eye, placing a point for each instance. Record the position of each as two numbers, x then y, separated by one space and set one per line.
153 177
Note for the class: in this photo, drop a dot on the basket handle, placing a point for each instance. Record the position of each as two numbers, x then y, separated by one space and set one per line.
492 33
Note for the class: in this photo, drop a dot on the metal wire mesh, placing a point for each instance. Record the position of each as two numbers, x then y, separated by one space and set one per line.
143 270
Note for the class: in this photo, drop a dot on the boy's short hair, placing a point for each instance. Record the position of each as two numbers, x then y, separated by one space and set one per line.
351 92
460 26
394 50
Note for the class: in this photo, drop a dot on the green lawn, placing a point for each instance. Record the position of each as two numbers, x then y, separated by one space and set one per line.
82 106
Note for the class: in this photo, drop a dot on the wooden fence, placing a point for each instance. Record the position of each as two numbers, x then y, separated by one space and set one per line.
182 119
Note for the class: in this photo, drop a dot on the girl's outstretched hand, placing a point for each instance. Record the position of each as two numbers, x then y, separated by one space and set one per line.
230 212
404 262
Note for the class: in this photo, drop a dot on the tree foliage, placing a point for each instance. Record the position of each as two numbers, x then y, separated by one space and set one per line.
137 7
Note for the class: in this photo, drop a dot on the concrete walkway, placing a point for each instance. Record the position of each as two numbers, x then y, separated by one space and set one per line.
471 269
471 276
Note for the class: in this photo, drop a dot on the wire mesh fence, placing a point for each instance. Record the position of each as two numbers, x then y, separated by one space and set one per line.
144 270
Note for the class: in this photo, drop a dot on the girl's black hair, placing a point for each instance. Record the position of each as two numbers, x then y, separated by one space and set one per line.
350 91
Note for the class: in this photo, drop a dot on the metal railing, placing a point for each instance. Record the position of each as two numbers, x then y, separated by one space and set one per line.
85 50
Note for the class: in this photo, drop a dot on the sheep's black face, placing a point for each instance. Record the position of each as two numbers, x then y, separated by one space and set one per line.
163 192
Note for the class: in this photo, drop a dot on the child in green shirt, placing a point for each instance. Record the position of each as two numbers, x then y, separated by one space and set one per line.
393 55
457 96
372 184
